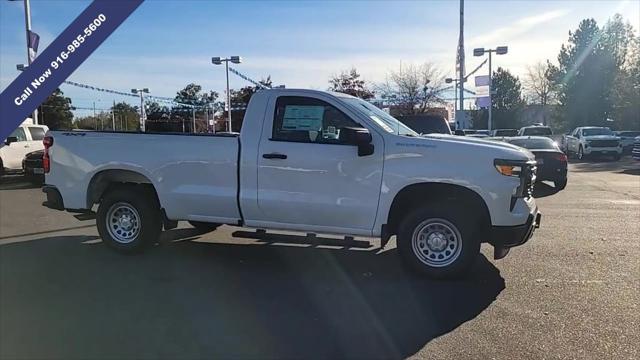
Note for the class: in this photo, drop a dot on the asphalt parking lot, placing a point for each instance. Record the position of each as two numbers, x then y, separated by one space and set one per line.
573 291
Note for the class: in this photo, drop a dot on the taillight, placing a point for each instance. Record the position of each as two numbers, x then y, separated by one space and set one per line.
46 163
560 156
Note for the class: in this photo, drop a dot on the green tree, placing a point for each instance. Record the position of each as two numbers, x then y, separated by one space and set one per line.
592 68
192 94
55 111
349 82
507 102
126 116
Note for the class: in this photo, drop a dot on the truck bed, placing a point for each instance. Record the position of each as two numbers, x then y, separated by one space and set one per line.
200 170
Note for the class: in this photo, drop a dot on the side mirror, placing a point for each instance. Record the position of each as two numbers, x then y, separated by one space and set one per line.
459 132
10 139
359 137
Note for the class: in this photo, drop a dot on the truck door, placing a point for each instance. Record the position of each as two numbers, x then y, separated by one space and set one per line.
13 154
307 178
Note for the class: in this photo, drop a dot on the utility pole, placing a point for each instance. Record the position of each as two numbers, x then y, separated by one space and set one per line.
94 115
490 122
113 116
143 115
461 66
27 21
193 113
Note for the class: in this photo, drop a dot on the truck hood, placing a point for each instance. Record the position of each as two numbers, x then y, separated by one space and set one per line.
497 149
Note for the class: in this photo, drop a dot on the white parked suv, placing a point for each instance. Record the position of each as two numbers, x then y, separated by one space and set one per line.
23 140
307 161
592 140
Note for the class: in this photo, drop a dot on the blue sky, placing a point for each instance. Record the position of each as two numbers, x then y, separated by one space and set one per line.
165 45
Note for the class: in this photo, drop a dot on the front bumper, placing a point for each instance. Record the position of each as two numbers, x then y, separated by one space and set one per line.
602 150
504 238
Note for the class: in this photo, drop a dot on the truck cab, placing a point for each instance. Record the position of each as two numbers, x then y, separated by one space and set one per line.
23 140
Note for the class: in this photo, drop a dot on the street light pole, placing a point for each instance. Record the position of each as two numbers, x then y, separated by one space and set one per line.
218 61
226 63
500 50
490 122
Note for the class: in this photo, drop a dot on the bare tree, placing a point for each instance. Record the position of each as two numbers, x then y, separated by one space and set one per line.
538 83
414 88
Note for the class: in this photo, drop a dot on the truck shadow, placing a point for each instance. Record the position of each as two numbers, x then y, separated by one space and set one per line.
192 299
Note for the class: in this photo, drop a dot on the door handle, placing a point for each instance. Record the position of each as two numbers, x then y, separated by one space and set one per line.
274 156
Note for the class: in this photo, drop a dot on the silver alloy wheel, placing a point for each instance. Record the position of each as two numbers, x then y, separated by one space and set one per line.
123 222
436 242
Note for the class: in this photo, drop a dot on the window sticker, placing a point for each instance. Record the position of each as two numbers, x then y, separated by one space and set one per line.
303 117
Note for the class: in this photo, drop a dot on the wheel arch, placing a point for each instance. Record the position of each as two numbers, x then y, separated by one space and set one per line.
105 180
421 194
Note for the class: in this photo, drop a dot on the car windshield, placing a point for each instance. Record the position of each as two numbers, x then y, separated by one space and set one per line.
537 131
381 118
597 131
534 143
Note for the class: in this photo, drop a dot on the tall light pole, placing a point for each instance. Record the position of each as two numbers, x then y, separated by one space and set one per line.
218 61
500 50
27 22
143 115
461 69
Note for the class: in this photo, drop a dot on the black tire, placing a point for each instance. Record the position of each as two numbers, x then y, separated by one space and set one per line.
466 227
560 184
616 157
204 226
147 210
580 154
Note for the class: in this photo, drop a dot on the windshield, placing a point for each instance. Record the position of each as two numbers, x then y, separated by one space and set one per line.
427 124
597 131
537 131
534 143
381 118
506 132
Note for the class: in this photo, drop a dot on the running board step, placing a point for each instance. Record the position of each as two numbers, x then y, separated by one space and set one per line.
309 238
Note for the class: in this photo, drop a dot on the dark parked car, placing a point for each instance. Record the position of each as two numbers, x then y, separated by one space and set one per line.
552 162
504 132
426 124
32 166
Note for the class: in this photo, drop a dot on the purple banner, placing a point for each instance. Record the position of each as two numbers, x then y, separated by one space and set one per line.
60 59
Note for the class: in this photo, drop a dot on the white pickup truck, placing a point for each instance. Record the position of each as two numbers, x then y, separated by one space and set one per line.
307 161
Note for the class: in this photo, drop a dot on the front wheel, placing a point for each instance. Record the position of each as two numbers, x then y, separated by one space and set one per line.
616 157
438 241
580 153
128 219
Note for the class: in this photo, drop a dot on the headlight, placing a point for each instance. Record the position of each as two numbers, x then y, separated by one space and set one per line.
509 170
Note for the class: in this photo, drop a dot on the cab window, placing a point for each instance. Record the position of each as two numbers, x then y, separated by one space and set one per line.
303 119
20 134
37 133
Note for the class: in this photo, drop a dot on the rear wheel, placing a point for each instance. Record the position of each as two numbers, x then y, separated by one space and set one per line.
204 226
128 219
438 241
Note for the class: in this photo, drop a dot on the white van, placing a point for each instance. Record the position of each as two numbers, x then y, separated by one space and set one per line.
23 140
